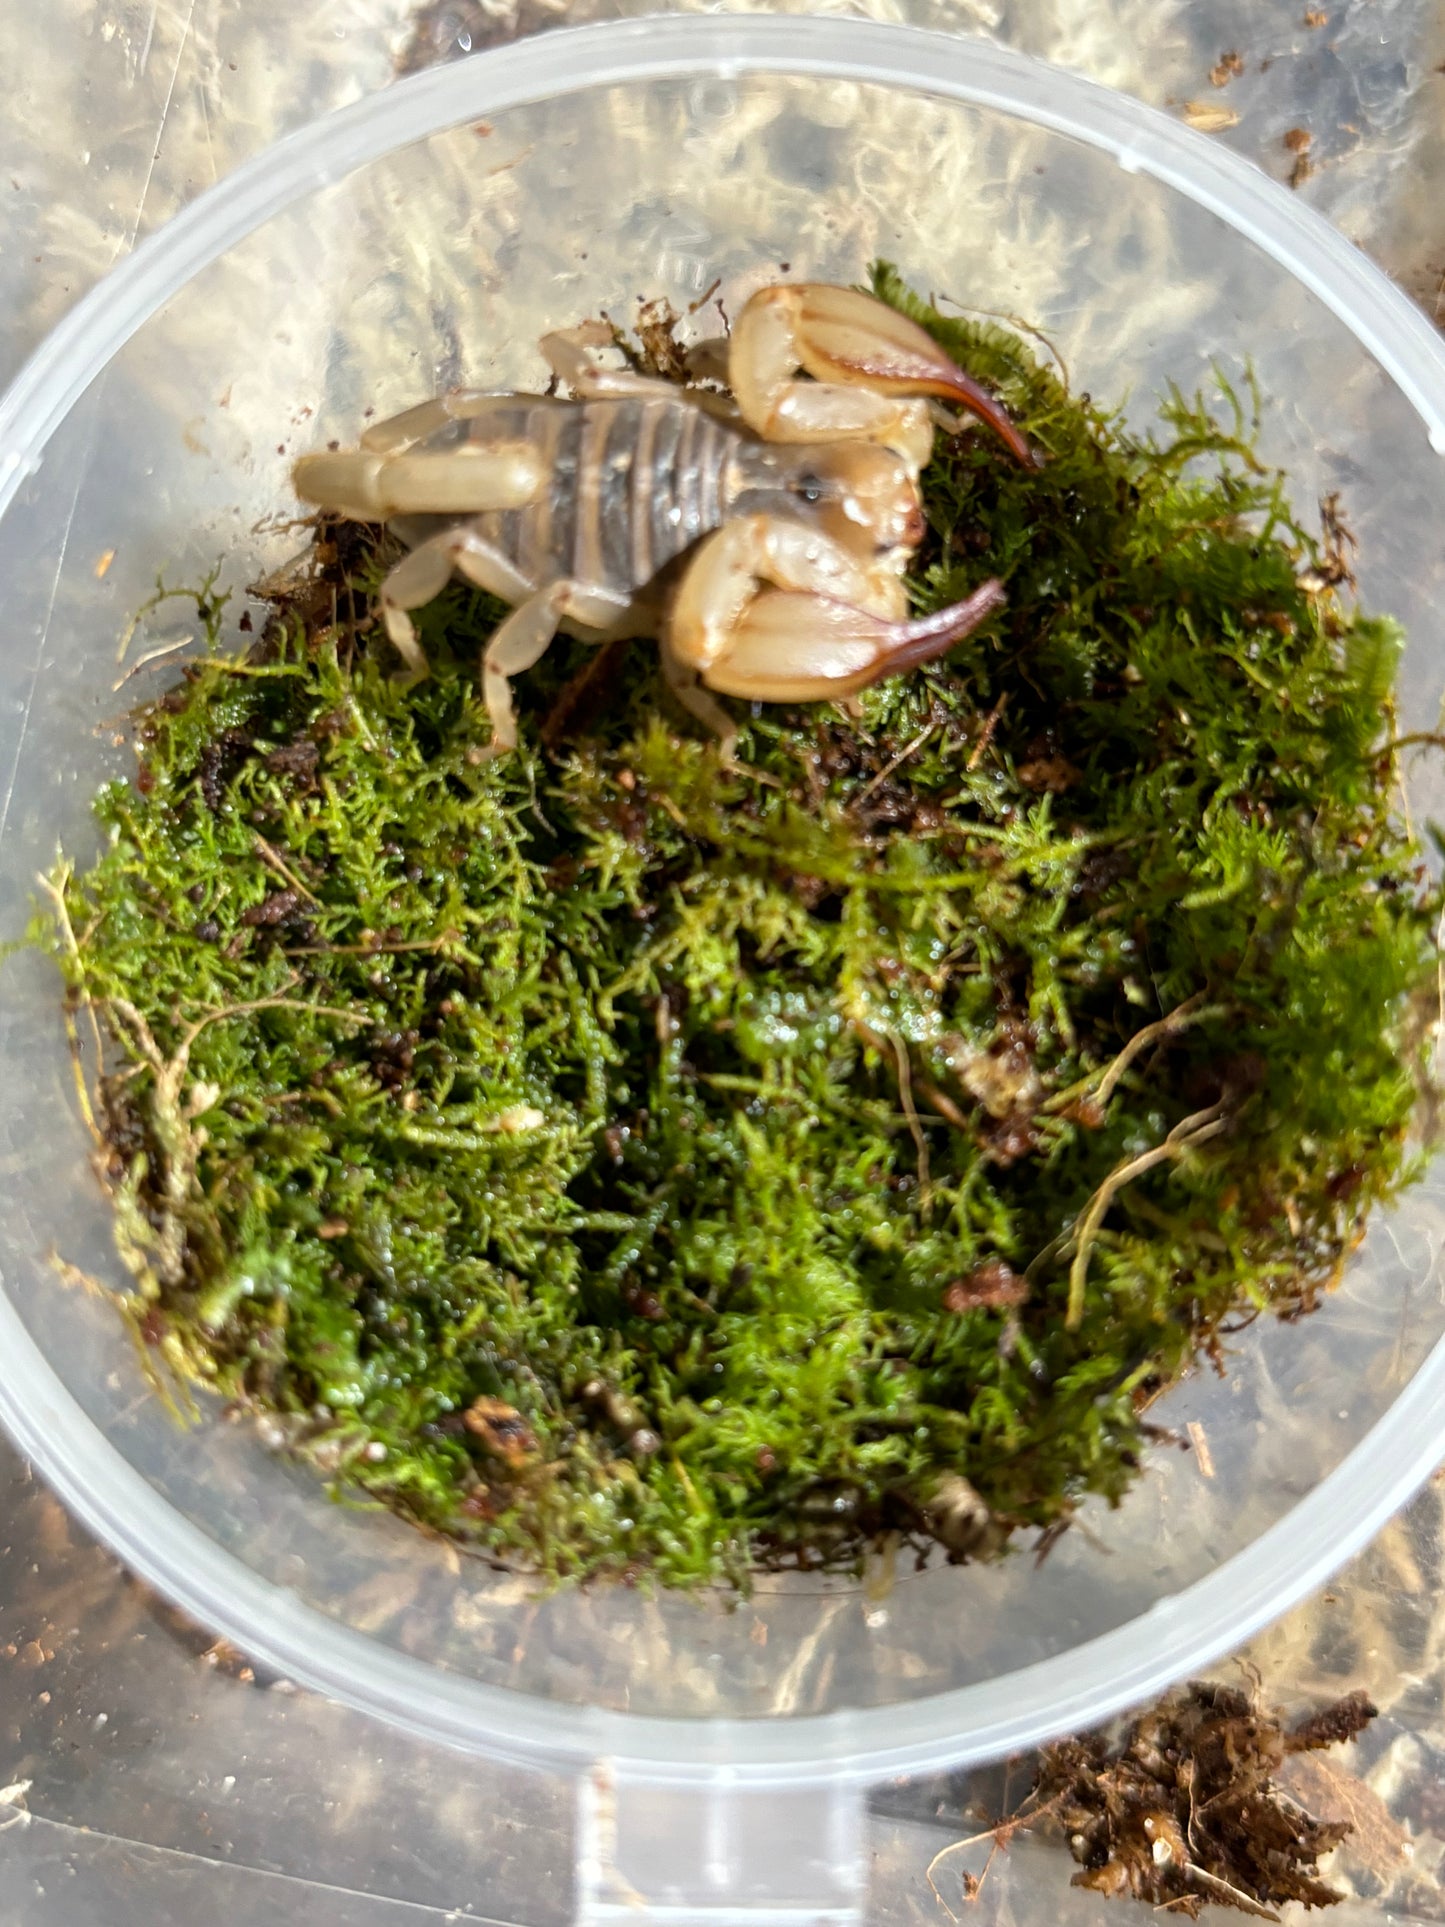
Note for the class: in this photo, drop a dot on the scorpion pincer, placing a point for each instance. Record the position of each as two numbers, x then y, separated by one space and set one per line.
760 535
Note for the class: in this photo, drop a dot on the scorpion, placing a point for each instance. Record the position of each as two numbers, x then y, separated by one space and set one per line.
757 522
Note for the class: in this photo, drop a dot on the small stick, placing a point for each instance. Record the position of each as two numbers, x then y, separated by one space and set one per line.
273 861
1189 1132
1246 1903
888 769
990 724
262 1003
152 655
941 1102
910 1111
998 1836
1180 1018
889 1040
371 949
56 893
957 1846
582 700
1014 321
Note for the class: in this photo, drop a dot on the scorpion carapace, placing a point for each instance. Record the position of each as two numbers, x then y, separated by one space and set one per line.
761 535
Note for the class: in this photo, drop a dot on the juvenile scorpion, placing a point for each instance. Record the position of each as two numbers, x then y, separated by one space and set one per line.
759 529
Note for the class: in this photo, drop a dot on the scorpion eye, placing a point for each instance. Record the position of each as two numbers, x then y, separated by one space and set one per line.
809 488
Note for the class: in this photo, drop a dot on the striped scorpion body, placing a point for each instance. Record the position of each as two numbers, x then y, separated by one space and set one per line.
760 533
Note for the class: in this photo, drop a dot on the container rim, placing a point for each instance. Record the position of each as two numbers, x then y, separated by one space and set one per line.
990 1718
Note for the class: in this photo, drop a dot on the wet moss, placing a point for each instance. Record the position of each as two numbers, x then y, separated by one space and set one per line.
626 1164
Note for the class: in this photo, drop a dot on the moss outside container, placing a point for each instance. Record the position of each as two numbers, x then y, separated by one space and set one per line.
424 238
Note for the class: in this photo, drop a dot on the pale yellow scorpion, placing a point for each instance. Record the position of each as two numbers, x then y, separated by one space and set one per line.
760 534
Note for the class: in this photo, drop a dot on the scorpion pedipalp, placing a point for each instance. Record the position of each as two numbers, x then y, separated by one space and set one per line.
805 648
777 611
868 363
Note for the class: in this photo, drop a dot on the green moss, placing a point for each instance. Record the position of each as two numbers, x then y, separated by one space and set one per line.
750 1140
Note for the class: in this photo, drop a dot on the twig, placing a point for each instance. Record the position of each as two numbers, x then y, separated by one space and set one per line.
273 861
1188 1133
957 1846
72 1275
180 1148
910 1111
261 1003
1199 1439
941 1102
998 1836
371 949
1246 1903
990 724
56 893
1177 1020
157 654
1014 321
936 1099
888 768
1180 1018
1042 1259
199 598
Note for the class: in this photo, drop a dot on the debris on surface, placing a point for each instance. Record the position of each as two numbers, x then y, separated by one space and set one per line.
1377 1840
1190 1805
1229 66
1208 117
1299 140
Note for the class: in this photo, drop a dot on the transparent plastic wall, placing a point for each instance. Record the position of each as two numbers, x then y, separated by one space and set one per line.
424 239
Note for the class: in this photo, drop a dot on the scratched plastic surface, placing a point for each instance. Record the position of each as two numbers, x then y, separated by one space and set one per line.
155 450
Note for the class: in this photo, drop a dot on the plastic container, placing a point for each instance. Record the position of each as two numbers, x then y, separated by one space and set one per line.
427 236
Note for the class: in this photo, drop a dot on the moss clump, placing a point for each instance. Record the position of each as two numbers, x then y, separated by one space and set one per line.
1201 1771
622 1163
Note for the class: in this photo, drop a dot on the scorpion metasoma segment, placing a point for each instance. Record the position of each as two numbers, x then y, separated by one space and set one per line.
761 535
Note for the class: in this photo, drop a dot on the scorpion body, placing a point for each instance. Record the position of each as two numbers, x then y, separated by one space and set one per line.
636 482
760 535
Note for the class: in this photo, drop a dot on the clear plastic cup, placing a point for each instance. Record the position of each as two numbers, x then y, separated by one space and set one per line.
426 237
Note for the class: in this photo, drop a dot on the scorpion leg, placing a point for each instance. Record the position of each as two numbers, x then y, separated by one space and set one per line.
524 639
866 361
416 580
571 354
774 610
683 680
421 576
707 360
400 432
